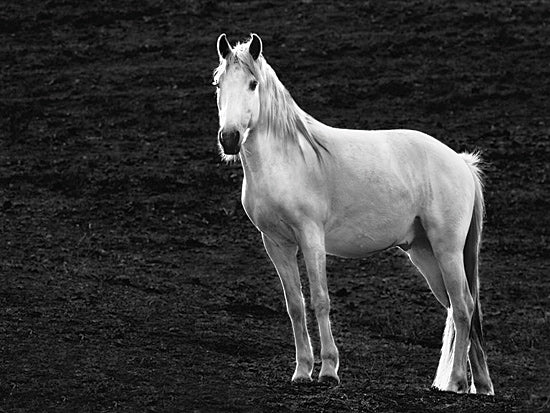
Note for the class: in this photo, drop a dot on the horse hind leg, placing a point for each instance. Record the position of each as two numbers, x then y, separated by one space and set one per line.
460 314
422 257
481 381
467 348
463 344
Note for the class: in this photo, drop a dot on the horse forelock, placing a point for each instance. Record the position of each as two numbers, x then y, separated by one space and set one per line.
241 57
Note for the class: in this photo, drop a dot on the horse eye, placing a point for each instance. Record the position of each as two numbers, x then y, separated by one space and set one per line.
253 84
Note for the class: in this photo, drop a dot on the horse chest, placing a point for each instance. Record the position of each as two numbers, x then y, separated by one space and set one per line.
266 212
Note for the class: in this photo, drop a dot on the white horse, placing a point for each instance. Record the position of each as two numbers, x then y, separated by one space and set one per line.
352 193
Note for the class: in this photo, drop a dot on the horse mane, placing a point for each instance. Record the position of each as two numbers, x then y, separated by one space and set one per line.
284 118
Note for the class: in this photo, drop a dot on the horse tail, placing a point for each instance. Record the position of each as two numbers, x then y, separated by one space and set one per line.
447 350
472 247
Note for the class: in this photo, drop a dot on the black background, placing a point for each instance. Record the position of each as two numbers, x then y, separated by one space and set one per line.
130 277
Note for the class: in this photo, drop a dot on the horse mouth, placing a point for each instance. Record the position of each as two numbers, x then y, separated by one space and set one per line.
233 151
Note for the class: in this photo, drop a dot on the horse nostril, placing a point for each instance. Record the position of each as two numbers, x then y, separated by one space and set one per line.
230 141
232 136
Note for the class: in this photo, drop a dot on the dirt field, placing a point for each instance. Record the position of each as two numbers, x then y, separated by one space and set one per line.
130 277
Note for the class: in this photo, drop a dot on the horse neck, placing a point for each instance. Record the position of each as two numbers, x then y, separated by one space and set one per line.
278 140
270 163
262 151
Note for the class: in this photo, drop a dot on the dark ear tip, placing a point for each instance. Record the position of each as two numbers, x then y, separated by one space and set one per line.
255 45
256 38
223 45
222 38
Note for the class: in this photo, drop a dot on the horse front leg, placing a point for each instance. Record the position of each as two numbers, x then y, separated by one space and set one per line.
284 259
313 248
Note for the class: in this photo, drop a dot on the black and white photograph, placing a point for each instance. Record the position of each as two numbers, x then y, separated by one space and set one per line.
269 206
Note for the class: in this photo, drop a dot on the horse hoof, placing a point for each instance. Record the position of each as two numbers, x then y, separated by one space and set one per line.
461 388
457 388
329 381
484 390
301 381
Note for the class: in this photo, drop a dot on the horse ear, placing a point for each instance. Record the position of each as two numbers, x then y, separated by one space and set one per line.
255 48
223 46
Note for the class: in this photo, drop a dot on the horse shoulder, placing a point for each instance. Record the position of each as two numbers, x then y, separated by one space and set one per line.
278 207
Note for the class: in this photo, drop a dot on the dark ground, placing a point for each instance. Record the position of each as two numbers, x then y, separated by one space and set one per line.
131 279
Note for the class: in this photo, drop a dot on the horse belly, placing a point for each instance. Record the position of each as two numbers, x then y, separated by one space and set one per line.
360 239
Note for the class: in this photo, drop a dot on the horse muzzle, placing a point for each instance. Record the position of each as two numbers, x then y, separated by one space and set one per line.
231 142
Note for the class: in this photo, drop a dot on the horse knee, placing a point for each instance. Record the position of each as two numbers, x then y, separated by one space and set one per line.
320 303
463 313
295 310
